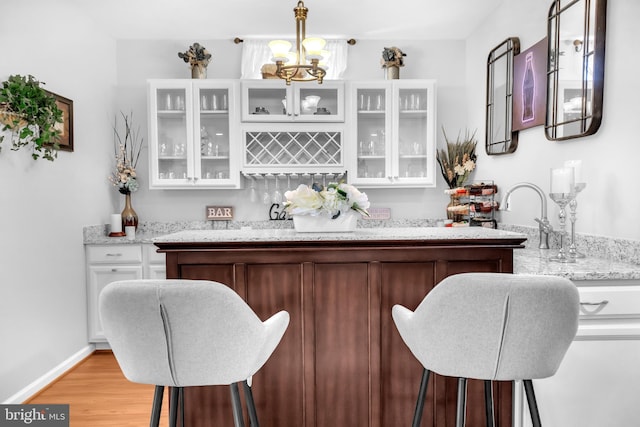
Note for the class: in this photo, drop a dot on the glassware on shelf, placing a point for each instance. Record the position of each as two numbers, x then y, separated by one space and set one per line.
204 102
562 192
179 150
178 102
163 149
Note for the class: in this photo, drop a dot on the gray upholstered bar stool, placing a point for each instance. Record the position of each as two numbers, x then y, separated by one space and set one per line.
491 326
184 333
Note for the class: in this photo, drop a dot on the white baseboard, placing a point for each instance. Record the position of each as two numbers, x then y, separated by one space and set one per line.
50 376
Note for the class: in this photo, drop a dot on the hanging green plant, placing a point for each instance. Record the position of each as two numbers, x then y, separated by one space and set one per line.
31 115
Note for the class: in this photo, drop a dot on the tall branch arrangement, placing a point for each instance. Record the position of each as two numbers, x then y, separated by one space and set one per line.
127 145
458 160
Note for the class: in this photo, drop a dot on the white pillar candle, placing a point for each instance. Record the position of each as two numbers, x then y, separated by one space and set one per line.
561 180
577 170
116 223
130 231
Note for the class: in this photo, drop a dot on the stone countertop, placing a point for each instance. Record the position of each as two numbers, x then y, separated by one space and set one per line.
536 261
530 260
360 234
141 237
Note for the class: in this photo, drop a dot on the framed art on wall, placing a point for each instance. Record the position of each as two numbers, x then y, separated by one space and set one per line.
66 127
530 86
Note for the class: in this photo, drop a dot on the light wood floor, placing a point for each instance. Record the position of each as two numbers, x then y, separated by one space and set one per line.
99 395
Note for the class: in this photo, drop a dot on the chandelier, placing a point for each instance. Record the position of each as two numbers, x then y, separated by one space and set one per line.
305 63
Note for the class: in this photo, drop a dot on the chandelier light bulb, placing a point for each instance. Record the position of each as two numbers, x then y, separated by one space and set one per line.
325 56
313 47
280 50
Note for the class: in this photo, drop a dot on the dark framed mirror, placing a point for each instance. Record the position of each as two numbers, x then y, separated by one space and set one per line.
575 68
499 135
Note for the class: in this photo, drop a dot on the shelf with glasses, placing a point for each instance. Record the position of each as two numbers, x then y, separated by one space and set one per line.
193 128
273 101
214 112
393 127
419 113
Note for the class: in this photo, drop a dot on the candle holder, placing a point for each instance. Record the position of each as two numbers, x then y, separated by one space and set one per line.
573 206
562 200
562 193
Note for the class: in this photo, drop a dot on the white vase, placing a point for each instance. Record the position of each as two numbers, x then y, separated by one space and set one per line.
319 224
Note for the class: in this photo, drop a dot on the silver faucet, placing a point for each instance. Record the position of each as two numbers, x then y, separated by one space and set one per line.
543 222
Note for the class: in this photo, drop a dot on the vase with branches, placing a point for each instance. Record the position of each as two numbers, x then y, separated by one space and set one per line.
457 161
128 145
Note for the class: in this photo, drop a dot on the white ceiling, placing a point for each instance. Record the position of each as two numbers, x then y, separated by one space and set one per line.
216 19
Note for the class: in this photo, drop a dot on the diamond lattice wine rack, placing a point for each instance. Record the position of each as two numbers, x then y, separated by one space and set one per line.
284 151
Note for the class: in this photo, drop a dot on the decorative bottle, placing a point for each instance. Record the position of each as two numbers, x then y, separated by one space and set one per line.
528 90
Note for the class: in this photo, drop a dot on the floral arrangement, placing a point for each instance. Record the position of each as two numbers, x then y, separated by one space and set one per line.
458 160
196 55
127 152
392 57
335 199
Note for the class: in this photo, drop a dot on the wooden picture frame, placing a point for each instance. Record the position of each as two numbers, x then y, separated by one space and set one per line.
66 127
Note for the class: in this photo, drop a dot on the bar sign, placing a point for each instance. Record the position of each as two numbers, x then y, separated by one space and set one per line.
219 213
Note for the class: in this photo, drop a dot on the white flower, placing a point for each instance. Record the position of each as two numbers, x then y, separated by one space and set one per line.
469 165
329 202
355 198
303 201
459 170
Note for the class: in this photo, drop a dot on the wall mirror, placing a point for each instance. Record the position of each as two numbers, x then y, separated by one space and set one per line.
499 135
575 69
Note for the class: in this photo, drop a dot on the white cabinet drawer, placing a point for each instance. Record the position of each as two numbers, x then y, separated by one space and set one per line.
610 301
609 312
152 256
114 254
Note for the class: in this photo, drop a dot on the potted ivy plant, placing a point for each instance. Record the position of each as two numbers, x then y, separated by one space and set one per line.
31 115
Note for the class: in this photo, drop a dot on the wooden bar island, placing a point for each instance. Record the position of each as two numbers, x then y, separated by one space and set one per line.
341 362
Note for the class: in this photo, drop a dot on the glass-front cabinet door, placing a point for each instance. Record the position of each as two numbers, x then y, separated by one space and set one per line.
192 125
373 138
273 101
393 137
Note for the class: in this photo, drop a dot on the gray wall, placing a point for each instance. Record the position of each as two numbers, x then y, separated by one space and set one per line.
44 205
606 207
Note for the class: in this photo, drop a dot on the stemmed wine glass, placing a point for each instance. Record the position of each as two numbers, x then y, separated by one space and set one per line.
253 193
562 192
277 195
266 197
